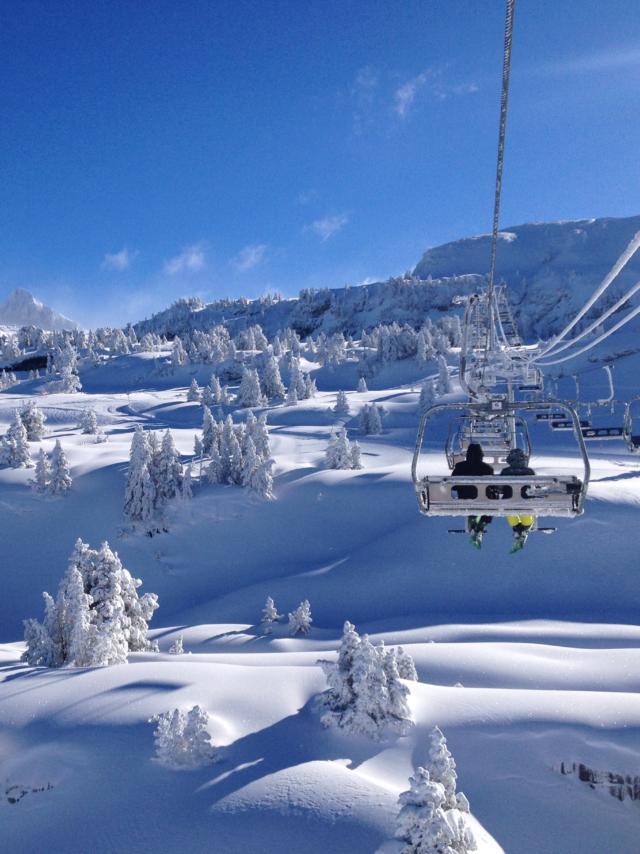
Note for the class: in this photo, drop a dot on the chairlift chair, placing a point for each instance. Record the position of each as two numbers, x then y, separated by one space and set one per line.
561 495
631 434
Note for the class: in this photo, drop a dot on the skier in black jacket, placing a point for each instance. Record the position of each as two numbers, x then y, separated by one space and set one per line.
473 466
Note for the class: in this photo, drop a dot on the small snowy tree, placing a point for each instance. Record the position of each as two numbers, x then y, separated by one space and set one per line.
69 381
230 454
340 454
140 491
270 612
261 480
444 380
427 396
177 647
249 461
406 665
187 483
362 385
169 475
300 620
42 473
292 395
33 419
209 434
272 385
342 404
195 392
14 447
88 422
421 823
182 740
442 767
370 419
60 482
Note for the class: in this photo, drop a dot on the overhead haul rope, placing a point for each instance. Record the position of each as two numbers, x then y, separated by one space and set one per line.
504 98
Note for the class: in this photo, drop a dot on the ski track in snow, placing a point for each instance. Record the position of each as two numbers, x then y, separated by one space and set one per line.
524 661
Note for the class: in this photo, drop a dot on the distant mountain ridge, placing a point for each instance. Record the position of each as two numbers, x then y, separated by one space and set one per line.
550 269
22 309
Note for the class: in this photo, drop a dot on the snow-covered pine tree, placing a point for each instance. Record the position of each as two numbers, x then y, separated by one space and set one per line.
260 435
427 396
177 647
355 456
170 469
309 386
178 353
88 422
444 380
362 385
300 620
42 473
398 708
69 381
292 395
249 393
340 696
230 454
421 823
77 629
261 481
187 483
195 392
60 481
33 419
140 492
182 740
272 385
442 768
214 469
249 461
296 379
342 404
370 419
270 612
216 389
209 433
339 452
14 447
406 665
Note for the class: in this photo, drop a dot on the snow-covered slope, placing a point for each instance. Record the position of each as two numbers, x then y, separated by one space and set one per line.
550 268
22 309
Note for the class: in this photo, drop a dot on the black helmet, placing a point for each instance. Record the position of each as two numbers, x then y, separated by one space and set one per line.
474 453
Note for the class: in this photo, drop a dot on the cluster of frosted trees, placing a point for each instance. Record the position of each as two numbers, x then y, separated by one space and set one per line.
342 453
371 419
155 475
300 618
301 386
97 617
432 817
88 422
209 395
238 453
63 366
182 740
7 379
52 473
365 693
14 445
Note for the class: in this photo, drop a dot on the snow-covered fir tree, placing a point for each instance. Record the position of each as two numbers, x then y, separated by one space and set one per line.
195 392
186 490
178 353
14 447
442 768
300 620
249 461
182 740
88 421
370 419
33 419
444 379
177 647
209 435
216 389
69 382
427 396
261 480
260 434
60 473
271 381
341 453
362 385
42 473
140 491
292 395
214 469
365 694
406 665
97 618
342 404
249 393
270 612
169 475
230 454
421 823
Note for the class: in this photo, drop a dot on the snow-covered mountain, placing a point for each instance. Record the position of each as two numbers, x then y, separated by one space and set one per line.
22 309
550 268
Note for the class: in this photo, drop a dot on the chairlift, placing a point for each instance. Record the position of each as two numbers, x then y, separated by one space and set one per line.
567 424
631 432
560 495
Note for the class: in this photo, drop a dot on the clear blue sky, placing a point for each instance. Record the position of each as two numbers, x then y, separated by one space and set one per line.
150 150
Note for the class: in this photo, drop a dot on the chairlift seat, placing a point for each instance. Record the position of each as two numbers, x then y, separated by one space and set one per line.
567 424
533 495
602 433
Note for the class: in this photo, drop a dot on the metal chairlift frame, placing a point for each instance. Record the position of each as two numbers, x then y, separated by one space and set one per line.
494 453
628 426
534 495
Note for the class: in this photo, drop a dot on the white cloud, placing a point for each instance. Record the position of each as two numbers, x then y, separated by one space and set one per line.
250 257
190 260
119 261
434 82
405 95
328 225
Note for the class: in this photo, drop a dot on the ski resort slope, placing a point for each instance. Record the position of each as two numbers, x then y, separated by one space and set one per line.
524 661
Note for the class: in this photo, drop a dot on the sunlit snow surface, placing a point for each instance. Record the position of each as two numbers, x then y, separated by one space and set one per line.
541 644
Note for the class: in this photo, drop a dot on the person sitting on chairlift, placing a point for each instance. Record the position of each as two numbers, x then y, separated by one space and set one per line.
473 466
520 525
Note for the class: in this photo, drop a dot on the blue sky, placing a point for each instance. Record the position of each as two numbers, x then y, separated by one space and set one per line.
151 150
